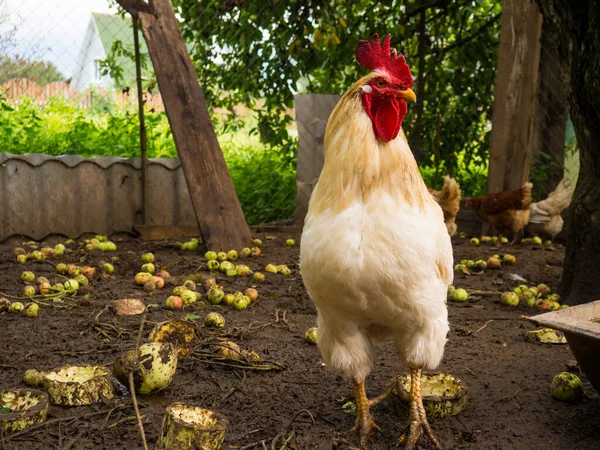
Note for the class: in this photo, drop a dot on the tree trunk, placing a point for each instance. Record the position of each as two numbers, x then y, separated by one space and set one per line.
550 121
218 211
417 135
576 30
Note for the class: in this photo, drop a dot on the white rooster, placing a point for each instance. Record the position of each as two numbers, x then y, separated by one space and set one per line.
375 254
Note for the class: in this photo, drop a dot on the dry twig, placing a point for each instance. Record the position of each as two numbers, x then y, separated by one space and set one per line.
131 385
484 325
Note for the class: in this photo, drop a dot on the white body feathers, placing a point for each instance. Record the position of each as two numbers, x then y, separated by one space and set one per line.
375 263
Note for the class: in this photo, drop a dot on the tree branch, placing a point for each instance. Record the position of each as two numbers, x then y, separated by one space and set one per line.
134 7
445 9
416 11
460 42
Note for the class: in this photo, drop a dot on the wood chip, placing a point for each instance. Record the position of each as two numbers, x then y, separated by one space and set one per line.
127 307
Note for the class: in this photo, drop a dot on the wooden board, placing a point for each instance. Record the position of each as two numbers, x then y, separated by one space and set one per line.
158 233
514 95
312 114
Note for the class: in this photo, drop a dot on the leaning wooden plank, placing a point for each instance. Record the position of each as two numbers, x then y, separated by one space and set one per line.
220 218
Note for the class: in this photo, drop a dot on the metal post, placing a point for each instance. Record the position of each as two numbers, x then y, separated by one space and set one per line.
138 77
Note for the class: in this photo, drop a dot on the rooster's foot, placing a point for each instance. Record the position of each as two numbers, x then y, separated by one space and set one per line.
365 425
418 423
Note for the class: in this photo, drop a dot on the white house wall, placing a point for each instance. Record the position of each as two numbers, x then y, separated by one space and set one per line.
91 51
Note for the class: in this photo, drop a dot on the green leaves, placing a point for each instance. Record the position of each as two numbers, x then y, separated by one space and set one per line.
263 53
41 72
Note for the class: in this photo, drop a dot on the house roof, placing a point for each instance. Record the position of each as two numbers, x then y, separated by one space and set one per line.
112 28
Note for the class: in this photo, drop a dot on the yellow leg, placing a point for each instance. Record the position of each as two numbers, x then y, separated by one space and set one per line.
417 419
365 425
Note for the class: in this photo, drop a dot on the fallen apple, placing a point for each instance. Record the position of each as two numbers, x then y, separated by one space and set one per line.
29 291
251 293
149 268
213 264
509 299
459 295
188 297
566 387
31 310
271 268
258 277
241 303
214 320
27 277
16 307
311 335
173 302
142 278
509 259
215 295
493 263
147 258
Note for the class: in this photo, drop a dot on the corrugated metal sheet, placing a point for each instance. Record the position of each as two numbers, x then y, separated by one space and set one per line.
71 195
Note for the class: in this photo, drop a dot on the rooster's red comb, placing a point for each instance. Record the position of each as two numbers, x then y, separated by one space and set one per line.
377 56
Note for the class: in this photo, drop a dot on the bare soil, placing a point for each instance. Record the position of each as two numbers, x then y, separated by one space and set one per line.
508 378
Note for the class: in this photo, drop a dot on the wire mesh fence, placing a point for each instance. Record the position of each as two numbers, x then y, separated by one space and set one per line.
67 86
67 83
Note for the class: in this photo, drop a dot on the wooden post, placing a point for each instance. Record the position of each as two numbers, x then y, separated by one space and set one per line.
514 96
140 98
220 217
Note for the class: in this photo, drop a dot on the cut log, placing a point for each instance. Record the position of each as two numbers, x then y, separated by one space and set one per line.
189 427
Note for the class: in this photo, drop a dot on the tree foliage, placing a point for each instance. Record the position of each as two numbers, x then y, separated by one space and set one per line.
261 53
42 72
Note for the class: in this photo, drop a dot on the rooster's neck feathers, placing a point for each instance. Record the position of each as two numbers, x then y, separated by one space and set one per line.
358 165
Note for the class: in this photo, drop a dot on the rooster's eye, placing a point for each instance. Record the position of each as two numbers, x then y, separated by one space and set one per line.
380 83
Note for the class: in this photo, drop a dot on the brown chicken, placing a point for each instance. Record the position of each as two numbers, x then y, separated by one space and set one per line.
507 212
449 200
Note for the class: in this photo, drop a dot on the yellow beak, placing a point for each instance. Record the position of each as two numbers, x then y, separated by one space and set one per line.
407 95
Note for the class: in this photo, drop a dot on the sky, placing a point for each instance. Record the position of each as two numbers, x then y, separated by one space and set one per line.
50 30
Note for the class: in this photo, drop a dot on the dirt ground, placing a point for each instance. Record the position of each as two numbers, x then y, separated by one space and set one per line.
508 378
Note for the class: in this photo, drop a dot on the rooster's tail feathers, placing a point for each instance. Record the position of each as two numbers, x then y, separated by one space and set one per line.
557 200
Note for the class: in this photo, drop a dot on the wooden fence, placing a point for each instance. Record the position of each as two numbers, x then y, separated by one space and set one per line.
16 89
